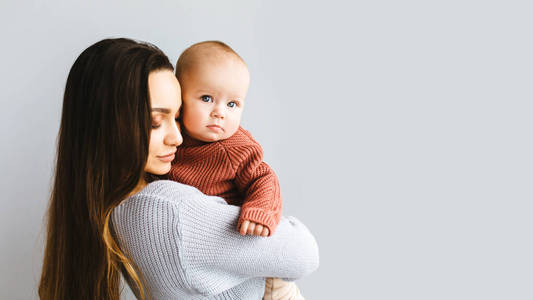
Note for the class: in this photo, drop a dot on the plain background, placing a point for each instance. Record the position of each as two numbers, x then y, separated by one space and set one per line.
401 131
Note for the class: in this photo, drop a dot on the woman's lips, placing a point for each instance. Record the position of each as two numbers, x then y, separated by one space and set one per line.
215 128
167 158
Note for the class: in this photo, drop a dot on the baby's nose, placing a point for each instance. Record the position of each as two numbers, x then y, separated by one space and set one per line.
218 113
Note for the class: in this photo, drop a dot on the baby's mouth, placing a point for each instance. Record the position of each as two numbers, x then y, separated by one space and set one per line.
215 128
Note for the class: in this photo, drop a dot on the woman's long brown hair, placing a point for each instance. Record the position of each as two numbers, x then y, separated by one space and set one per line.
101 154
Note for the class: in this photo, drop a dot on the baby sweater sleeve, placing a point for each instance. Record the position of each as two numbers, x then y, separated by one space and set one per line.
257 182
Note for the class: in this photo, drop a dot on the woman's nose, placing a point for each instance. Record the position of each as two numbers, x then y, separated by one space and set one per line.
179 139
174 137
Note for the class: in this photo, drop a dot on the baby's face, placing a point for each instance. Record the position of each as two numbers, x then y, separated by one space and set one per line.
213 99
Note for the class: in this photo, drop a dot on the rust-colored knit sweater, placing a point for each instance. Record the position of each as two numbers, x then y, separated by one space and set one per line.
234 170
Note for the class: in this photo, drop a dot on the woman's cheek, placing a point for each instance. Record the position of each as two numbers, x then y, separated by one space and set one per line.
155 143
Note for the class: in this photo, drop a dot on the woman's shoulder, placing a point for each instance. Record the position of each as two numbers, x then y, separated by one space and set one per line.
157 194
165 194
156 207
166 190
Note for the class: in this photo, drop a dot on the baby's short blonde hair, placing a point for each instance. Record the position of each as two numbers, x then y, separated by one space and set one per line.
213 50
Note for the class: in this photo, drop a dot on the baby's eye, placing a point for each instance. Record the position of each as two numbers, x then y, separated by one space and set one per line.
207 98
232 104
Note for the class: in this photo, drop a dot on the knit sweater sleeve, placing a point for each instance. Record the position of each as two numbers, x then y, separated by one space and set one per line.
185 243
256 181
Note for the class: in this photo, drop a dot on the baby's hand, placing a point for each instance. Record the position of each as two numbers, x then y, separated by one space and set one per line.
251 228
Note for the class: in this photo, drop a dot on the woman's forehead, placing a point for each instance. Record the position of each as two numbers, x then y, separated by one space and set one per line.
165 93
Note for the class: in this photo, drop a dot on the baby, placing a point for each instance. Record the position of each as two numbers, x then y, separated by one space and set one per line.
217 155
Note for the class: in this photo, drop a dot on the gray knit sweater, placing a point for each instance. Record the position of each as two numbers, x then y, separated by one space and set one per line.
186 245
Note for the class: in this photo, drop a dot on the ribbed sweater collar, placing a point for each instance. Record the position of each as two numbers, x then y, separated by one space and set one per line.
189 141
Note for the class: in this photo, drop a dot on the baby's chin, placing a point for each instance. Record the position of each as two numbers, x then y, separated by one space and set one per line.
214 137
211 139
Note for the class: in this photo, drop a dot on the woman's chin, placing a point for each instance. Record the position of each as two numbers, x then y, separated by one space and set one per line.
160 170
164 170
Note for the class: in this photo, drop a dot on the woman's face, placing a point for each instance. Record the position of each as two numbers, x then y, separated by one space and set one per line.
165 98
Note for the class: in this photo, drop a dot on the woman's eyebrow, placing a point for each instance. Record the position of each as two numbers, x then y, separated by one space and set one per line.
163 110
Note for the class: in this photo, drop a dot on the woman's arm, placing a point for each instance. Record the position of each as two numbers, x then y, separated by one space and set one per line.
208 226
211 244
192 241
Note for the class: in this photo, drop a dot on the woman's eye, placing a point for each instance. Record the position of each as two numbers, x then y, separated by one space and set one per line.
155 126
207 98
232 104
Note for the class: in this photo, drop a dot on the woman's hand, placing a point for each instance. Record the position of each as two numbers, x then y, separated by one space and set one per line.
251 228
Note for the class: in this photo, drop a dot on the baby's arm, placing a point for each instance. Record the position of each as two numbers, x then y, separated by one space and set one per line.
262 207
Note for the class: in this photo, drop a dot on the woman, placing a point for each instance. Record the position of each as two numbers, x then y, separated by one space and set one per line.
108 214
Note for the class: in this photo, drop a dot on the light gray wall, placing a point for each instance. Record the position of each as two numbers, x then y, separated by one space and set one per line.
401 131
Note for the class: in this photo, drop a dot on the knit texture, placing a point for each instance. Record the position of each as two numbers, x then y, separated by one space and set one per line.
234 170
185 245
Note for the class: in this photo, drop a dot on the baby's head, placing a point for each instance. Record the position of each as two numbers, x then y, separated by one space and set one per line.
214 81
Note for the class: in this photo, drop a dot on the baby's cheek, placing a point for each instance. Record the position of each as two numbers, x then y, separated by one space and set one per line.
190 119
233 128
